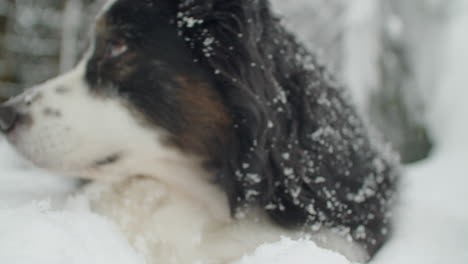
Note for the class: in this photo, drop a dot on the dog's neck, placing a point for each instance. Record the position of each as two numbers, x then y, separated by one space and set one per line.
169 226
180 174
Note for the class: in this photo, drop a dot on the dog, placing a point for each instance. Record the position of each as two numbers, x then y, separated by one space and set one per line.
207 129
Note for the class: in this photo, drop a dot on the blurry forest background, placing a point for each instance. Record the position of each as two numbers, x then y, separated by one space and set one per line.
373 47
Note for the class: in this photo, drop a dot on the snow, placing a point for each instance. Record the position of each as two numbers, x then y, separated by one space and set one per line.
433 216
36 234
431 226
42 222
20 183
289 251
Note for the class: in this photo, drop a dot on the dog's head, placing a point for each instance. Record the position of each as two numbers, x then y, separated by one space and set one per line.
163 79
220 82
160 80
138 91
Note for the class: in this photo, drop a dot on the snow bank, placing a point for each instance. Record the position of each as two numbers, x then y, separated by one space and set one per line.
293 252
433 217
20 183
432 221
40 223
36 234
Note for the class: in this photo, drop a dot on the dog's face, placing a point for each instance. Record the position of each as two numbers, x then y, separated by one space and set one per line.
136 94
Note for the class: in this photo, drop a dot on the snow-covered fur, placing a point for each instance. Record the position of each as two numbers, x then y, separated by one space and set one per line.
208 130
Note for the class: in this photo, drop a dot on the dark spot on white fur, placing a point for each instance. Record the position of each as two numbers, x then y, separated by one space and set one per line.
61 90
52 112
114 158
34 99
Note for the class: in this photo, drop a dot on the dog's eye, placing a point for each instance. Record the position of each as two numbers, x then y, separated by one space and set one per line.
115 49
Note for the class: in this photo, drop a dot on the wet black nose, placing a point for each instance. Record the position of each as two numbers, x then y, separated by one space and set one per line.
8 118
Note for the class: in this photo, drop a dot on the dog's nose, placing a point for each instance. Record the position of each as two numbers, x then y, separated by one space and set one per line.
8 118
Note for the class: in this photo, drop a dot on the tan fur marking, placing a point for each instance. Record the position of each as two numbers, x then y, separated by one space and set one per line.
208 119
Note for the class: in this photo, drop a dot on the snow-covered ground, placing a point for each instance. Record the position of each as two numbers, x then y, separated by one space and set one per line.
41 221
433 220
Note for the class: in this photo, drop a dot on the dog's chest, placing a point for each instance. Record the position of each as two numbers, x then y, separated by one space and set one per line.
169 227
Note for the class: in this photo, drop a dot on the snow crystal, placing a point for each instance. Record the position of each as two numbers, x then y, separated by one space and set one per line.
288 171
270 124
320 180
251 195
295 193
311 209
188 21
270 206
253 177
208 41
360 232
323 132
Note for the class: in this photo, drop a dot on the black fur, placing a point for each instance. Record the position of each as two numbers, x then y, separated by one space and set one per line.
295 146
299 141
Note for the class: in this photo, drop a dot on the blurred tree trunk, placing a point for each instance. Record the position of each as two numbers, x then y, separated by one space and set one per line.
39 39
411 44
29 39
73 14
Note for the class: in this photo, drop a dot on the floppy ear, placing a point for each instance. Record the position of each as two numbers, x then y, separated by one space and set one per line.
249 53
299 151
223 36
